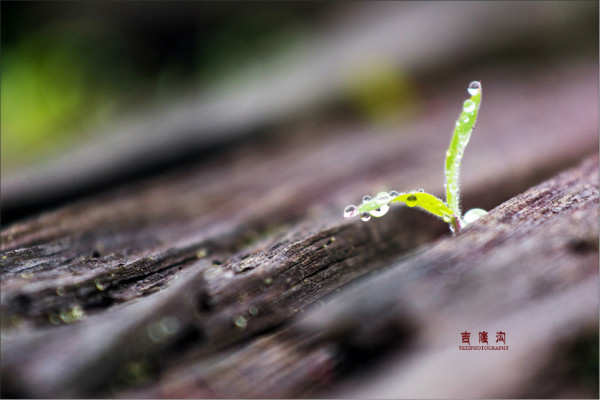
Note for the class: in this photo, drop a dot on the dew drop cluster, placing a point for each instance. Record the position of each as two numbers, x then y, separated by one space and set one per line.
379 206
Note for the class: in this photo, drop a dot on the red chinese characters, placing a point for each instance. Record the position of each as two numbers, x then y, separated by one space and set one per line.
466 337
501 337
483 337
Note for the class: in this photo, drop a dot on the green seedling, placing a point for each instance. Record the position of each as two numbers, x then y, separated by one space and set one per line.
448 211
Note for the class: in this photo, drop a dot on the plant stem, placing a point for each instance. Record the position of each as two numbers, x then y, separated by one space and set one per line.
456 226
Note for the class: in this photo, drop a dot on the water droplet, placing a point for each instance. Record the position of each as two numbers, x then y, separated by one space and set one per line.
473 215
447 219
350 211
367 198
240 322
381 211
383 197
412 198
453 188
421 191
469 106
201 253
474 88
64 316
394 194
54 319
170 325
365 216
77 312
465 119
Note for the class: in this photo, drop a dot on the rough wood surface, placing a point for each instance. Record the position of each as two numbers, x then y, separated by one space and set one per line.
529 268
186 284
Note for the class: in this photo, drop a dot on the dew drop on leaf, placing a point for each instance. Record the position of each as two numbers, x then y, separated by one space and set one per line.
469 106
381 211
350 211
474 88
365 216
453 188
367 198
394 194
383 197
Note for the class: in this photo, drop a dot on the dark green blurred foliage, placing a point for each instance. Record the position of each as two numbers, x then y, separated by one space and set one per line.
68 68
56 82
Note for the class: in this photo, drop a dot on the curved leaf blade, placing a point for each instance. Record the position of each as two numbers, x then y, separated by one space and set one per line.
462 133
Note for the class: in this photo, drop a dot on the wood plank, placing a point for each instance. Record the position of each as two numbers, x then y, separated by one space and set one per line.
529 268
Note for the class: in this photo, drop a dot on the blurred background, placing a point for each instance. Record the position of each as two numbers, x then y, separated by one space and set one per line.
98 93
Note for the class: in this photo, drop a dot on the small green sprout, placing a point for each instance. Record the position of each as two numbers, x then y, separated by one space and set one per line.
448 211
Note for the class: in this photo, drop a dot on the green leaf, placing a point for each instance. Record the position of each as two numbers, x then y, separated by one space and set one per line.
460 139
427 202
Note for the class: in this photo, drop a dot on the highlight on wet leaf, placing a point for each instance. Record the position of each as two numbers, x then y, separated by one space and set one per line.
449 210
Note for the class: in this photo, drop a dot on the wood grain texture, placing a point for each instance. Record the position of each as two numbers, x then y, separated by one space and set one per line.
529 269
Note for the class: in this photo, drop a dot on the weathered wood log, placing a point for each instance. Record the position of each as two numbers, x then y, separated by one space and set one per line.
529 269
145 281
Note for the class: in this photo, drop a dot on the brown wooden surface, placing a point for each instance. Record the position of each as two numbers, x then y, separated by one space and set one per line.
409 317
189 284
